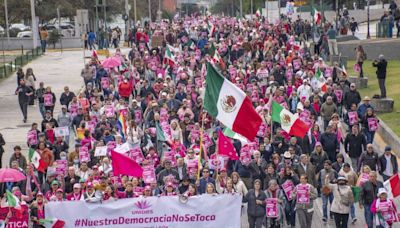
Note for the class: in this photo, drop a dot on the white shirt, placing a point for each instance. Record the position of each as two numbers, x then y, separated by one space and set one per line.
389 169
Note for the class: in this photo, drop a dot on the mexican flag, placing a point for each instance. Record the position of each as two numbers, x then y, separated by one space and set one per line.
12 200
321 81
231 134
53 223
169 58
191 44
211 29
230 105
316 15
215 57
160 133
289 122
393 186
36 160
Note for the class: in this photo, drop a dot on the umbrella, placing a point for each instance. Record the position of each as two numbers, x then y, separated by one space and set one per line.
111 62
11 175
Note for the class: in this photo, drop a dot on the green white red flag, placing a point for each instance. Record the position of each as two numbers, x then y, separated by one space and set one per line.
230 105
289 122
316 15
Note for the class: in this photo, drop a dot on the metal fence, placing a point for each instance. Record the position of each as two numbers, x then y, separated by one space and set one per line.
20 60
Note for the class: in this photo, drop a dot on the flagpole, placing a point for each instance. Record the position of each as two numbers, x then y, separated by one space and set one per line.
201 144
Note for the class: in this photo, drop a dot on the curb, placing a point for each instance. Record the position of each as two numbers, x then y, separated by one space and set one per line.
389 136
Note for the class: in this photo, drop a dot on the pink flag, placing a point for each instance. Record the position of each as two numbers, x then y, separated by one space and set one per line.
125 165
225 147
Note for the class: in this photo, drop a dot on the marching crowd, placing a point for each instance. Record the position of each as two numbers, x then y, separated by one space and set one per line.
150 107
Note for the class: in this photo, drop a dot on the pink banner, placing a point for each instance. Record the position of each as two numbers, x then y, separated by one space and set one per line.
19 218
61 168
48 99
84 154
373 124
288 187
353 118
339 95
32 137
105 83
271 207
303 193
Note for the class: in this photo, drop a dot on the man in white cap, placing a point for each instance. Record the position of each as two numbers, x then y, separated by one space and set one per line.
304 90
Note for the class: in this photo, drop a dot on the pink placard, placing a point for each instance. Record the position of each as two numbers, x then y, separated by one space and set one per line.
353 118
61 167
288 187
136 154
339 95
32 137
48 99
84 154
138 115
149 175
297 64
109 110
303 193
271 205
105 83
373 124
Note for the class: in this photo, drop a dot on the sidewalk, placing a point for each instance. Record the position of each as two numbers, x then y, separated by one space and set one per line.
54 69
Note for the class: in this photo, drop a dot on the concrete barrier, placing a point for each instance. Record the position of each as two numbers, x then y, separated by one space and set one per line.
360 82
27 43
383 105
389 137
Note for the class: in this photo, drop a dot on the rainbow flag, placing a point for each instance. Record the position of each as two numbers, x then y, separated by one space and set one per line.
121 125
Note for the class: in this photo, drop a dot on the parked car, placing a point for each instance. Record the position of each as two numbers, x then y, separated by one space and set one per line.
2 31
24 34
20 26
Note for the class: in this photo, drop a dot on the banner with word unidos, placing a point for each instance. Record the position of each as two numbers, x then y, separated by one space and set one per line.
169 211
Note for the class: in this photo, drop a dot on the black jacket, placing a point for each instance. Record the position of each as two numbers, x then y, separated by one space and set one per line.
354 144
66 99
369 192
368 159
381 68
351 97
330 145
382 164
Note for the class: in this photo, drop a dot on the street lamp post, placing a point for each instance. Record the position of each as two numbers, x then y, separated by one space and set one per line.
251 8
368 21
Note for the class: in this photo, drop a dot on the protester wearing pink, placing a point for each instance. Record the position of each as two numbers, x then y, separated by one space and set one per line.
385 210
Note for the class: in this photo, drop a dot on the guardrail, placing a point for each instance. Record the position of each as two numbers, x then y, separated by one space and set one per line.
20 60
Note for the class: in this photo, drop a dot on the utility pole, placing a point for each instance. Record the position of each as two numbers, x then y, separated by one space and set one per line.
368 21
127 19
7 26
251 8
105 15
134 10
322 12
159 11
149 10
241 8
96 26
35 31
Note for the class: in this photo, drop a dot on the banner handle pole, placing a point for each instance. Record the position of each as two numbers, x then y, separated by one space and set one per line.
201 145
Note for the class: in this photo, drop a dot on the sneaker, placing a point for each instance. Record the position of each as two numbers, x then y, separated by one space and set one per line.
324 219
354 220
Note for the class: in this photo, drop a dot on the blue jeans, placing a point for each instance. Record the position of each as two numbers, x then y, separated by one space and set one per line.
42 109
369 217
325 205
352 211
369 135
43 44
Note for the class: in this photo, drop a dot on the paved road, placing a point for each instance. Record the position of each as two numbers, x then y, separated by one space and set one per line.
57 70
54 69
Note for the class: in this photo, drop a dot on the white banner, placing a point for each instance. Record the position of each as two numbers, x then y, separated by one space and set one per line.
61 131
167 212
